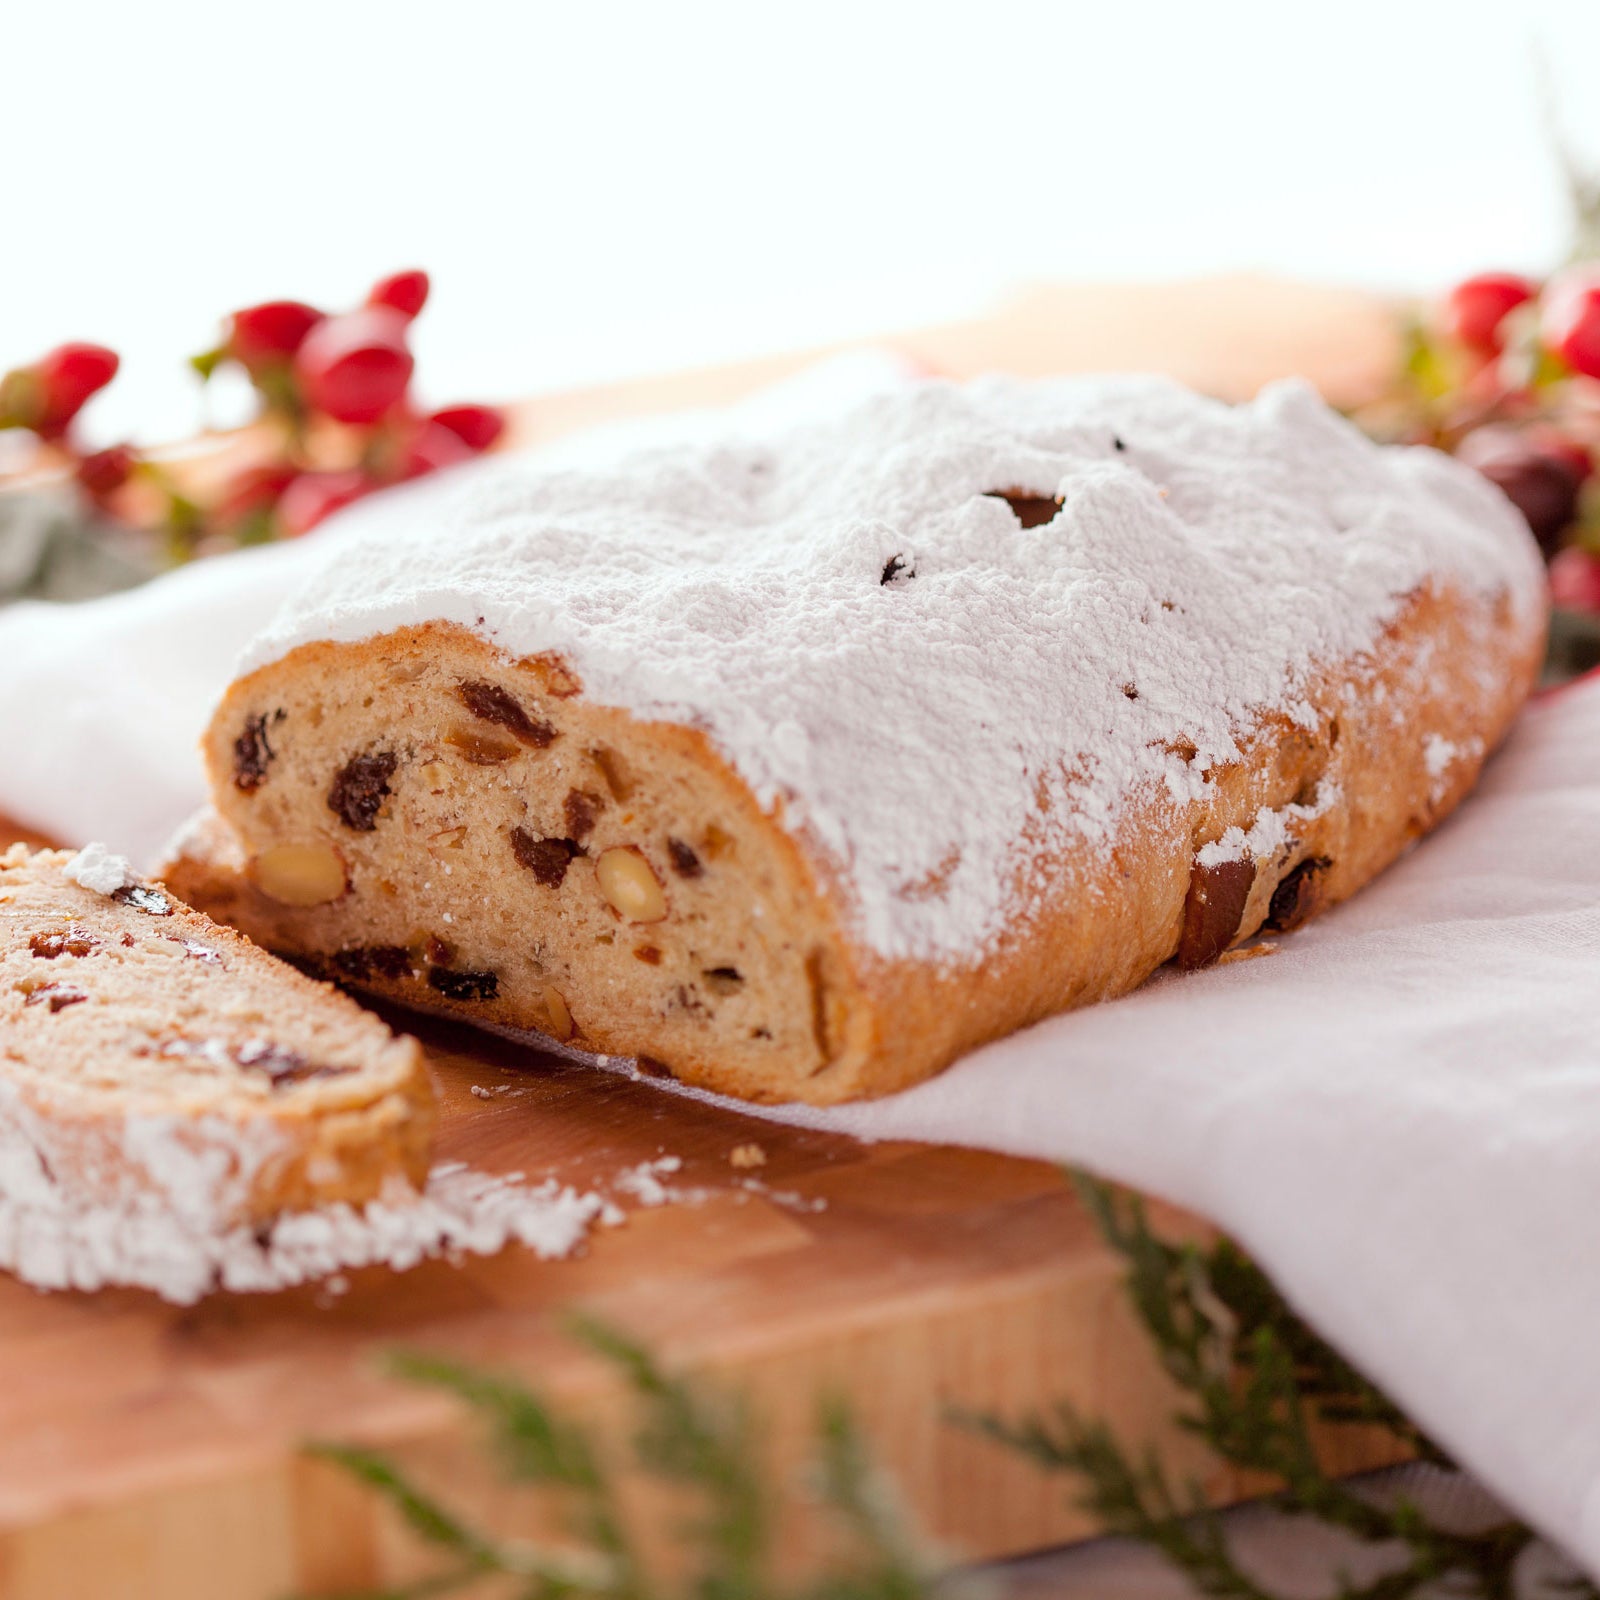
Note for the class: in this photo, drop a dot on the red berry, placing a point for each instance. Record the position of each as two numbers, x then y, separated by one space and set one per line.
1570 321
405 292
315 495
1575 579
477 427
1542 486
269 334
1551 441
355 367
249 500
431 447
48 395
104 472
1475 309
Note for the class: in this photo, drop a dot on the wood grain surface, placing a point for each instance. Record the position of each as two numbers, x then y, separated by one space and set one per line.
152 1451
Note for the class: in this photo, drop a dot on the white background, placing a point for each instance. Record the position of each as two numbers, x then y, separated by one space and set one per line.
609 188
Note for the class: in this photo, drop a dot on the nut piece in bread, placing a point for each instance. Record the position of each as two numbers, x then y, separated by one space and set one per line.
153 1060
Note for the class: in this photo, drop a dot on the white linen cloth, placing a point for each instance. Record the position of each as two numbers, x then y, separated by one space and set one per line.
1398 1113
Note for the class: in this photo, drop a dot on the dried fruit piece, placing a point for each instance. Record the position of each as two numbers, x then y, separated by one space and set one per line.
546 859
362 961
73 940
253 753
360 787
1031 510
684 861
630 885
195 951
58 996
455 985
582 808
143 898
301 874
283 1067
1299 896
490 703
1211 914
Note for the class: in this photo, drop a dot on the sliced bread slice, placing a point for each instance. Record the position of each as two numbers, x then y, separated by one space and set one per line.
153 1060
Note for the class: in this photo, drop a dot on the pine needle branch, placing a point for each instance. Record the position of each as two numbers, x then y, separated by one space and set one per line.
421 1513
893 1563
703 1443
536 1446
688 1439
1256 1384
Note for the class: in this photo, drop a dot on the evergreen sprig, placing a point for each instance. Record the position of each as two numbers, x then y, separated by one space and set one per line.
705 1444
1255 1382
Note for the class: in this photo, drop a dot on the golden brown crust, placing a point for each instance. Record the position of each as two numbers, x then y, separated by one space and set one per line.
1386 746
141 1069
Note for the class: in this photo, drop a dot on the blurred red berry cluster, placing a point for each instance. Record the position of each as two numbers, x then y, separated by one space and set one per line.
336 421
1505 373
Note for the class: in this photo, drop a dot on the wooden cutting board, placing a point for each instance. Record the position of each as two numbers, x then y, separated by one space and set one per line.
153 1451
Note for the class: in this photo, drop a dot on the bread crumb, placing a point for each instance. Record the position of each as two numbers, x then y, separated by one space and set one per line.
1247 952
747 1155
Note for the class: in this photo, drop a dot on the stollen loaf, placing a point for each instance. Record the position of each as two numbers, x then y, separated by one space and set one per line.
797 765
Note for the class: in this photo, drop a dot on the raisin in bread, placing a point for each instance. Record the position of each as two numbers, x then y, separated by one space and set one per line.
149 1057
798 766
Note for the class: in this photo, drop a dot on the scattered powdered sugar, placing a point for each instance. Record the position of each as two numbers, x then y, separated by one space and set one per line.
643 1182
789 1199
923 686
150 1245
96 868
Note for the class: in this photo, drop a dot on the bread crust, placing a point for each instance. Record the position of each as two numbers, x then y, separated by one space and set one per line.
218 1148
1383 746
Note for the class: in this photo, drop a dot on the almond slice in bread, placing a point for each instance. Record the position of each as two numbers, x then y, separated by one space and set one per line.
152 1060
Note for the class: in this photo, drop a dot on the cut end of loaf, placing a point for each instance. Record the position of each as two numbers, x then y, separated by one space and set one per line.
423 818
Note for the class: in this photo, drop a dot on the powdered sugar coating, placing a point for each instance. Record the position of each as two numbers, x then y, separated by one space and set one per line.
879 646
